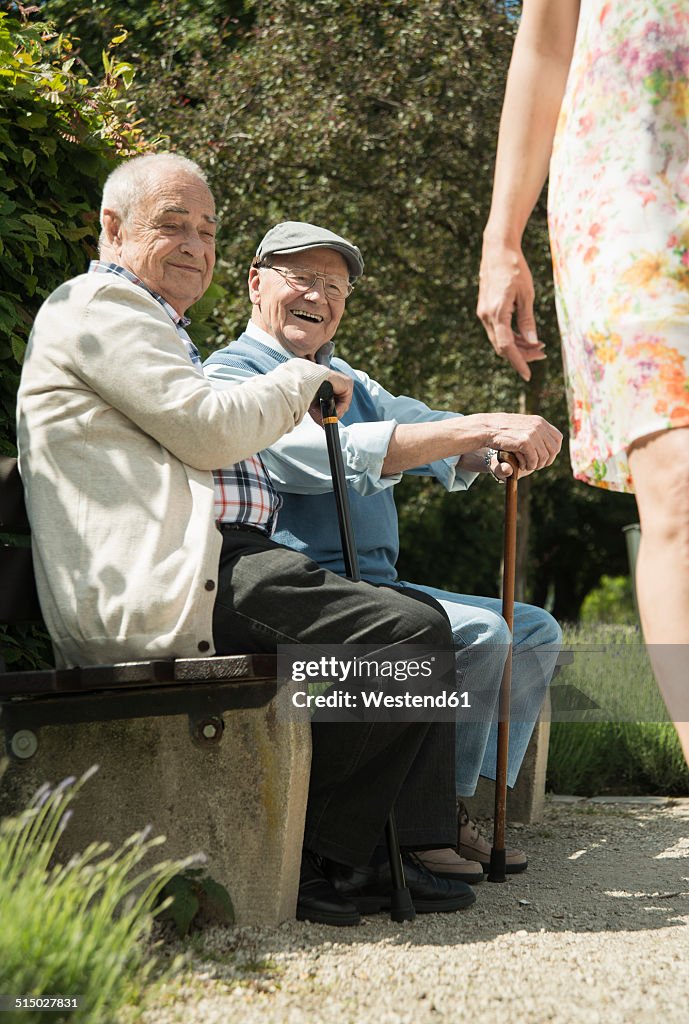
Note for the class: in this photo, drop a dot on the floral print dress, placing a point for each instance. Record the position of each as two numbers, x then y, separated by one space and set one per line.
619 224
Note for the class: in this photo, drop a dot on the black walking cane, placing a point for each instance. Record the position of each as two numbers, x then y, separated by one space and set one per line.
401 906
496 872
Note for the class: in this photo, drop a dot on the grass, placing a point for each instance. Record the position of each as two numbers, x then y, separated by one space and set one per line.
610 732
80 928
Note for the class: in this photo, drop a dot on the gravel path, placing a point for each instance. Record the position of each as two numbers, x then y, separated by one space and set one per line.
597 930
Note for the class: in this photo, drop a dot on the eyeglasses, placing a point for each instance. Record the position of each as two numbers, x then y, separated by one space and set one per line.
303 280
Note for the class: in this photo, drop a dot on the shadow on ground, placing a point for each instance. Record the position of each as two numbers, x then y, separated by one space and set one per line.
592 868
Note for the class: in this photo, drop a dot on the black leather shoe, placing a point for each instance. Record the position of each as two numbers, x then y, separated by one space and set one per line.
369 888
317 900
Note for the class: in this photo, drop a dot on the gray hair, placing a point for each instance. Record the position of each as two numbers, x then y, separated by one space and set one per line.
124 186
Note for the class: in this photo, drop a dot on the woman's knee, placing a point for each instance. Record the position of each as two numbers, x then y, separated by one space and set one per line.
660 470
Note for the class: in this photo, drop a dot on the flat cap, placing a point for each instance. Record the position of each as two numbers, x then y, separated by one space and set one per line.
297 235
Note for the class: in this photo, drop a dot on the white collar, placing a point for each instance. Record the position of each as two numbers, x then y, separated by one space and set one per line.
258 334
323 356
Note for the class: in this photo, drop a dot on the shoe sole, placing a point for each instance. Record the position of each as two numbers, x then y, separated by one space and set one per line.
454 876
510 869
335 920
376 904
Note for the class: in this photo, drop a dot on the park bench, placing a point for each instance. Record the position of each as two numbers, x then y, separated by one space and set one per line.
195 747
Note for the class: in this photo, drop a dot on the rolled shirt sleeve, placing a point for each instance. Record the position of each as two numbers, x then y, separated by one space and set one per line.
298 462
404 409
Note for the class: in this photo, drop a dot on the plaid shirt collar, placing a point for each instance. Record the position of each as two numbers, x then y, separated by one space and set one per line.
103 267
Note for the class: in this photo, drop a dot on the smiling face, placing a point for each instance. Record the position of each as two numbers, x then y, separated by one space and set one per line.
301 321
168 241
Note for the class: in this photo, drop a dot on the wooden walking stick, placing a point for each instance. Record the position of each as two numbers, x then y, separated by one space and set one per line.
401 906
496 871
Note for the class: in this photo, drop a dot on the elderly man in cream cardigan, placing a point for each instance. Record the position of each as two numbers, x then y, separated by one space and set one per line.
152 517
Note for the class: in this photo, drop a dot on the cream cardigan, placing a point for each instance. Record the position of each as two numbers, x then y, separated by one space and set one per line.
117 435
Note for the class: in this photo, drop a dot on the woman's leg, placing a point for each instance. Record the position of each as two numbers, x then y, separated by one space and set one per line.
659 466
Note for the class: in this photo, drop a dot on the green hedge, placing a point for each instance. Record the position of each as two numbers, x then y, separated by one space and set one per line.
60 134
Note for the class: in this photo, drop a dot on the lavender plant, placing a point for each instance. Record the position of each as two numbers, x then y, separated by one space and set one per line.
79 928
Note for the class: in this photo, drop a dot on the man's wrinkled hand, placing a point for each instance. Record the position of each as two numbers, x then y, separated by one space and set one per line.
343 389
533 441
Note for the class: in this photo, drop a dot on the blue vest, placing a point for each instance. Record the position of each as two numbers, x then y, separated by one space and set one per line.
308 522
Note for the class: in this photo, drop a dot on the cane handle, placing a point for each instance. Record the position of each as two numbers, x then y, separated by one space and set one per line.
511 458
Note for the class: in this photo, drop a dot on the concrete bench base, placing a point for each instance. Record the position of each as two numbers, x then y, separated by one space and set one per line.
526 802
233 786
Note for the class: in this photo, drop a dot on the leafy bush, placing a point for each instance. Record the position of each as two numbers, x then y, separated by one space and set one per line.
172 32
194 900
78 928
60 133
611 601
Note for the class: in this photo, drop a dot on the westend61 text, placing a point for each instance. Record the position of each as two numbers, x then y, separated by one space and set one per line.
377 699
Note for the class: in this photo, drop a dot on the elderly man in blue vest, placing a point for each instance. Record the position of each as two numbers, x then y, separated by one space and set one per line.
299 282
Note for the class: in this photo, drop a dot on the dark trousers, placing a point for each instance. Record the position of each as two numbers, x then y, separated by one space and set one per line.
270 595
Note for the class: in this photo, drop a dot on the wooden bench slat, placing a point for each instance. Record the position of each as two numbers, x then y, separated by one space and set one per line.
243 668
228 667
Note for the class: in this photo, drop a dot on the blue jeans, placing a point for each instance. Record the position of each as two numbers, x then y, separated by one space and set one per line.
482 641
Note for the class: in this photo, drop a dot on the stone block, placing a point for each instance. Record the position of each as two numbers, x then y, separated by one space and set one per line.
234 789
526 802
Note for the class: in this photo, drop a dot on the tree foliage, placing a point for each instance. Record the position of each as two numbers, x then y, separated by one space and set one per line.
60 133
168 32
379 120
394 151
